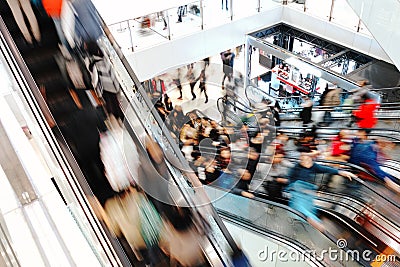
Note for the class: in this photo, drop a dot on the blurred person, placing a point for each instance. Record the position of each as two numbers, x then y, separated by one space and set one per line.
123 219
276 109
153 175
181 13
82 131
242 186
237 143
340 148
306 112
332 99
87 26
177 81
162 13
227 58
280 141
224 158
364 153
277 175
19 8
192 80
301 188
257 141
182 241
365 115
202 84
215 131
212 170
168 103
206 62
158 86
226 4
361 90
106 85
309 140
253 158
323 95
161 110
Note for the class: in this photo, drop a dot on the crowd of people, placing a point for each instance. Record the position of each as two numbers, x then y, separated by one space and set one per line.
228 156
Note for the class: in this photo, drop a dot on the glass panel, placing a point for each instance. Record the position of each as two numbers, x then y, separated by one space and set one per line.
274 218
269 4
244 8
363 29
297 4
123 32
143 32
319 8
343 15
214 15
184 20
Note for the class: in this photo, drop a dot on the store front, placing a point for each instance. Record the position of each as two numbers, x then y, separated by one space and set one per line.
298 63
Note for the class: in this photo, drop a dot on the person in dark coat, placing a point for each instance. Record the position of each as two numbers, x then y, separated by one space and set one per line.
227 61
306 112
83 135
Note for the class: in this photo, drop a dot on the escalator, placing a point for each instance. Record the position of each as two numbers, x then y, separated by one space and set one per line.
323 132
370 196
387 115
44 86
283 222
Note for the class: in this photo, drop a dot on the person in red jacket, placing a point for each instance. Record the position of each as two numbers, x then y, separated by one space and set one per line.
365 115
53 7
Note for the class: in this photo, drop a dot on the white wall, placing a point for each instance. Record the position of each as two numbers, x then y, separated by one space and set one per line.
383 22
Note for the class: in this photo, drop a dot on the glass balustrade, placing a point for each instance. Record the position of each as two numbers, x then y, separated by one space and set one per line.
153 29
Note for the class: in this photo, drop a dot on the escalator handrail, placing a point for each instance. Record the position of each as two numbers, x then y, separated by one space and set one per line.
279 205
374 132
248 111
359 181
358 168
165 131
281 239
238 100
381 105
397 132
55 139
346 107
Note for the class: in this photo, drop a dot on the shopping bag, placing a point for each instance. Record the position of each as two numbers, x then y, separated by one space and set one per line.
150 221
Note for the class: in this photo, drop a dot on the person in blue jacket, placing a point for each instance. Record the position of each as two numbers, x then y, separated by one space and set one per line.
364 153
301 188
